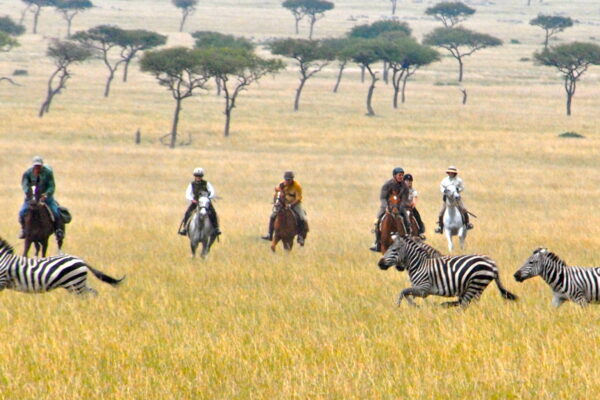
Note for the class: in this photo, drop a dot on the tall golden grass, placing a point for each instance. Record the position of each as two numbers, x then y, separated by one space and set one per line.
319 322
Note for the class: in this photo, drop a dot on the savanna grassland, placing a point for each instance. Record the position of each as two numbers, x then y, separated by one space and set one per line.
319 322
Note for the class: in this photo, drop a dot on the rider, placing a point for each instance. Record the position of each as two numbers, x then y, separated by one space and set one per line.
195 189
40 177
292 192
452 180
413 195
394 184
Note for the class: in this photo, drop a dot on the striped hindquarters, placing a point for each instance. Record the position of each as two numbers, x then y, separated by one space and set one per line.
583 280
31 275
457 275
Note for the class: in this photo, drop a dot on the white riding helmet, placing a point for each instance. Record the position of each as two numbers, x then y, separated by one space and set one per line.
199 171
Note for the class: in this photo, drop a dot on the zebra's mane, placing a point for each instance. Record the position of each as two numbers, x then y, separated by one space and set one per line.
5 246
430 250
553 257
421 248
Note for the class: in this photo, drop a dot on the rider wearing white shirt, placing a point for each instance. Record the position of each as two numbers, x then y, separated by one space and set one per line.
199 187
452 180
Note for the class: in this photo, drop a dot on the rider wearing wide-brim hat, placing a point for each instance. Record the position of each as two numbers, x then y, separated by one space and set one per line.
395 184
452 180
292 192
199 187
40 177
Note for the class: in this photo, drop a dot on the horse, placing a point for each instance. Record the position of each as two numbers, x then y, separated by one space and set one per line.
392 222
454 225
200 228
38 228
285 227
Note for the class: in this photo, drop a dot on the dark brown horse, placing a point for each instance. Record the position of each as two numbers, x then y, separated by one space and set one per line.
392 222
285 227
38 228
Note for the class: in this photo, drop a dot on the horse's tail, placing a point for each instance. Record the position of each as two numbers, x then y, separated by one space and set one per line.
105 278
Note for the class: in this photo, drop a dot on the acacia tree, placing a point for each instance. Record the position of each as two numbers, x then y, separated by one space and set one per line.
551 25
64 54
405 56
37 6
450 13
134 41
181 71
339 50
236 69
376 29
460 42
295 7
572 60
366 52
394 5
102 39
315 10
8 29
70 8
312 56
187 8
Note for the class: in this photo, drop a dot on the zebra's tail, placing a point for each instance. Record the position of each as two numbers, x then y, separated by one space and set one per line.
505 293
105 278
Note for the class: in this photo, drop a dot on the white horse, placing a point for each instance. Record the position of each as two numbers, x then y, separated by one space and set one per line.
454 224
200 229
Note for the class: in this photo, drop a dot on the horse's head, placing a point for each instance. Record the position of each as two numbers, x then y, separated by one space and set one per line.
452 194
394 202
279 201
203 205
395 255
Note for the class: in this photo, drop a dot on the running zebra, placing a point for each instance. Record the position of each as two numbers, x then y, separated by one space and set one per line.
578 284
44 274
463 276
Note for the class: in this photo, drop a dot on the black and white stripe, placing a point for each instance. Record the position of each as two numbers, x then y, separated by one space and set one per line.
578 284
465 277
44 274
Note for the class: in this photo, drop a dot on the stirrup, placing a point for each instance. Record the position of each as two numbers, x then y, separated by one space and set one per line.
182 232
300 240
438 229
469 226
376 248
266 237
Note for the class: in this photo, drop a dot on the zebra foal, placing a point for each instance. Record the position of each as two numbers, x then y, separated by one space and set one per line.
37 275
578 284
464 277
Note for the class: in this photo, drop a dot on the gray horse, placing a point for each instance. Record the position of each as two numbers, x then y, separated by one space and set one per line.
200 229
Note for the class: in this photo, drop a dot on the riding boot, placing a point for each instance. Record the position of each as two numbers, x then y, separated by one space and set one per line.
269 236
215 221
182 231
22 234
376 247
466 219
440 227
59 228
300 238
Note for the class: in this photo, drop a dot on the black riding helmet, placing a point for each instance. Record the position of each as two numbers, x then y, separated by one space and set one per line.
408 177
397 170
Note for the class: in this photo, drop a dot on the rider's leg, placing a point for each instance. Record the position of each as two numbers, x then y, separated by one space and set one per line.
465 214
22 213
269 236
214 219
419 221
302 231
377 244
440 226
182 229
59 226
407 225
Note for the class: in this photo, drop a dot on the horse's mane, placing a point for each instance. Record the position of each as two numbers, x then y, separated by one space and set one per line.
5 246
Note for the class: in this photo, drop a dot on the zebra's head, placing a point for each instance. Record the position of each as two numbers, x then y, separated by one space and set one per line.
394 255
533 266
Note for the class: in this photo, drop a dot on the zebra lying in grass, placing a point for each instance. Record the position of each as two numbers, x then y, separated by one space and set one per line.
36 275
463 276
578 284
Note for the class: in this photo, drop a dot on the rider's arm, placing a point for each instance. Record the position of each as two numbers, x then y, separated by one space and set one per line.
50 186
460 186
189 193
25 184
211 190
298 194
385 191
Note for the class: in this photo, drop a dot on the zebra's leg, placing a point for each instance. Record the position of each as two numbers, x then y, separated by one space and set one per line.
558 299
580 299
412 292
449 304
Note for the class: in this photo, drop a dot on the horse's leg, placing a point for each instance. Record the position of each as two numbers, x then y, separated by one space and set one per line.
205 247
44 247
462 234
193 246
274 242
59 243
37 249
449 238
27 246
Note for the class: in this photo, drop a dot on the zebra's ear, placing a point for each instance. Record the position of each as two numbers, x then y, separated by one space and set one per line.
543 250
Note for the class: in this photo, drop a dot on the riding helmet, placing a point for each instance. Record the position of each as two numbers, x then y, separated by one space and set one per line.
288 175
397 170
199 172
408 177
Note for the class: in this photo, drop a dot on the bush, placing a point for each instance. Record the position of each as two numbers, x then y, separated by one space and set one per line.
20 72
525 59
574 135
515 41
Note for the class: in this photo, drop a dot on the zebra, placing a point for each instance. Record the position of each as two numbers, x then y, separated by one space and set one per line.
463 276
578 284
37 275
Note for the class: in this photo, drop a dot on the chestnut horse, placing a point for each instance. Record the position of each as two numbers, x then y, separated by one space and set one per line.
38 228
285 227
392 223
